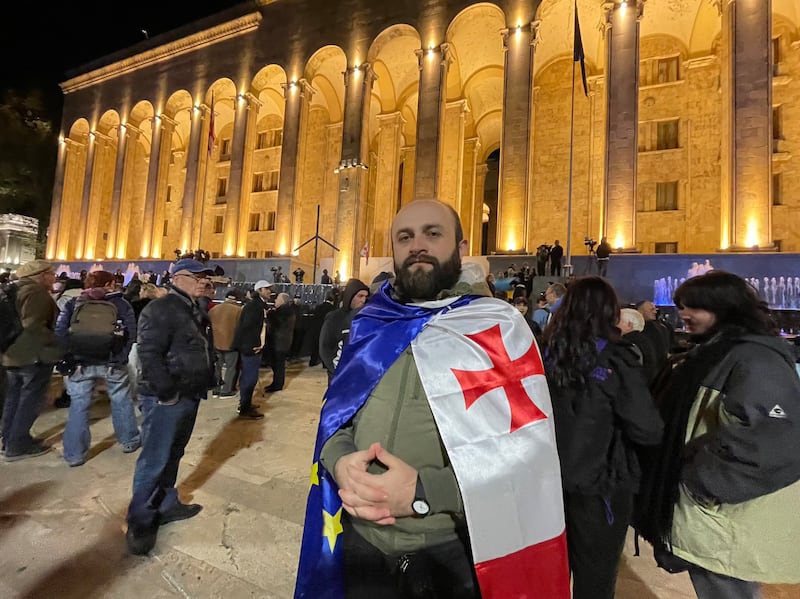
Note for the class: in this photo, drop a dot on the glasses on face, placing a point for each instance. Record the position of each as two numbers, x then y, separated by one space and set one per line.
197 279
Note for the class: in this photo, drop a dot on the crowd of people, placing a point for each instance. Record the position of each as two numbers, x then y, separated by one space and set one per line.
469 446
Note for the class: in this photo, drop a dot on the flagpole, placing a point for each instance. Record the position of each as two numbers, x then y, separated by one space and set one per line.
568 265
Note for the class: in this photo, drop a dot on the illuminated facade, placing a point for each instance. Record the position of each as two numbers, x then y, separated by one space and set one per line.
688 139
17 240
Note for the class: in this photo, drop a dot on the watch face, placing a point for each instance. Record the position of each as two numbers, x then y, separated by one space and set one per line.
420 507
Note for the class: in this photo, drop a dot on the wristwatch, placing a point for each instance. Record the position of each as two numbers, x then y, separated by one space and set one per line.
420 505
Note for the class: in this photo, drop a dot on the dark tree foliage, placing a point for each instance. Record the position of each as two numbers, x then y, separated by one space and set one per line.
28 151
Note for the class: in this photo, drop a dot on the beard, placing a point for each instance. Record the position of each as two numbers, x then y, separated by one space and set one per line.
424 284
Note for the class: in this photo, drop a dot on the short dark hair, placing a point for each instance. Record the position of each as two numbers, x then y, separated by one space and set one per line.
732 300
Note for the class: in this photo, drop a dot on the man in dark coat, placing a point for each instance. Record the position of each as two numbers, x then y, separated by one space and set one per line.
556 254
250 340
314 331
280 323
337 324
176 351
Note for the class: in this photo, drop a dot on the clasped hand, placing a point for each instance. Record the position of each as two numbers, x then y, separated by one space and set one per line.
379 498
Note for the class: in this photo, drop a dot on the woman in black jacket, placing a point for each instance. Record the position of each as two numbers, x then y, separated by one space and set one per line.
603 410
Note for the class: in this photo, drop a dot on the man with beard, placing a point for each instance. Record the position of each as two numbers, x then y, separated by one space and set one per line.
435 472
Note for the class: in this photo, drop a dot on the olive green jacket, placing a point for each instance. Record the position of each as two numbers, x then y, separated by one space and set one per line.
37 343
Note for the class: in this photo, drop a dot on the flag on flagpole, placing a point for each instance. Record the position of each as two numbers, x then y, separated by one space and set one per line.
212 136
365 252
577 51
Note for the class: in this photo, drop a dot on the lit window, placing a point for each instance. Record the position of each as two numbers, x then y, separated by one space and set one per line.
667 195
219 222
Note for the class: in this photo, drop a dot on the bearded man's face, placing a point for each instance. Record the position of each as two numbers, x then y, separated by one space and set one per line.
426 282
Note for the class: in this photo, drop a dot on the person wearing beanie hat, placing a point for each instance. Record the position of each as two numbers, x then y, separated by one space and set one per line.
30 359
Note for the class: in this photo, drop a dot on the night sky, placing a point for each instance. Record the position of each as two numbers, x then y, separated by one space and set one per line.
41 41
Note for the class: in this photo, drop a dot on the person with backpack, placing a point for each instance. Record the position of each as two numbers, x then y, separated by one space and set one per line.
29 351
96 330
603 413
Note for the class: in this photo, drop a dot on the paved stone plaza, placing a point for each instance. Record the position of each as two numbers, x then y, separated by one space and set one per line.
61 528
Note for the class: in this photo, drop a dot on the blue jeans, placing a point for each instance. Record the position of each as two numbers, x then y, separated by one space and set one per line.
80 386
165 433
248 380
25 396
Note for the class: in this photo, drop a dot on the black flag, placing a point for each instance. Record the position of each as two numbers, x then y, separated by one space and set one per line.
577 51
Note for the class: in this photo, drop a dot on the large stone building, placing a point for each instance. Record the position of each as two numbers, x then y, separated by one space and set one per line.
234 132
17 240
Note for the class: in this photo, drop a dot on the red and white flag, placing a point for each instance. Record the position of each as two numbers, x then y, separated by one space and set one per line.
483 375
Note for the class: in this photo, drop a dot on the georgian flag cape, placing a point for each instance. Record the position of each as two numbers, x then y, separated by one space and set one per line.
483 375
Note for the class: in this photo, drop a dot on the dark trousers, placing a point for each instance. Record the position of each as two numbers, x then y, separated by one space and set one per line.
166 430
248 380
555 269
602 266
278 363
440 572
596 528
3 389
709 585
25 396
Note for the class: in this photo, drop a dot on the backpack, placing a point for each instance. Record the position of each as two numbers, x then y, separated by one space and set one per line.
10 322
95 330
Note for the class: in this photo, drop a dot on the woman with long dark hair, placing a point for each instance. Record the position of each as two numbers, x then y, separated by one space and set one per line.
720 496
603 410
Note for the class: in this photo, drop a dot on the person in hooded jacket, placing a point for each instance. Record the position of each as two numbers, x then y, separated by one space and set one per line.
720 494
336 327
113 370
280 324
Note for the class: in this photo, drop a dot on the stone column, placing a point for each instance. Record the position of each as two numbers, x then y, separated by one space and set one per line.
151 190
190 185
747 85
116 194
515 146
476 236
86 196
168 126
251 123
466 211
433 65
298 97
387 167
452 143
408 158
622 121
203 171
126 200
54 231
100 189
350 235
233 195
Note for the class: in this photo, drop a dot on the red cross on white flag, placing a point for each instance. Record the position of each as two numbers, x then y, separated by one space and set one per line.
485 383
